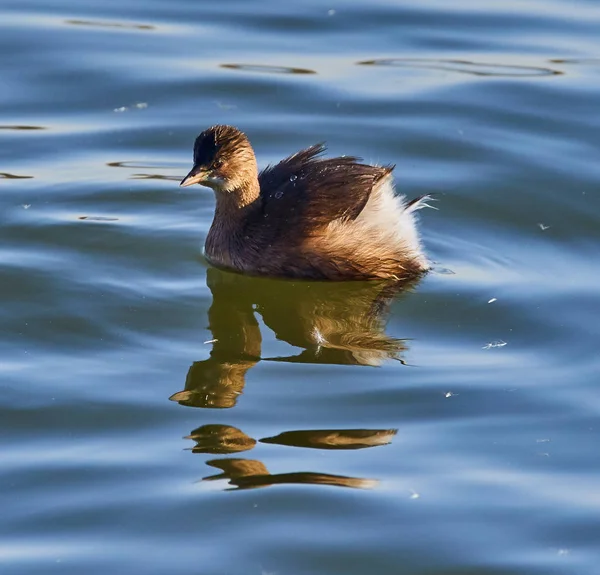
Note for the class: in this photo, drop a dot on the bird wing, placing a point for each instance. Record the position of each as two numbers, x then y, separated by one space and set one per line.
306 192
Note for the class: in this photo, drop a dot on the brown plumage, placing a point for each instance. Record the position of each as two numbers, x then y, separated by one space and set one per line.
307 216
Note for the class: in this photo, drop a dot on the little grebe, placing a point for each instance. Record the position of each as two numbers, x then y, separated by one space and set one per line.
306 217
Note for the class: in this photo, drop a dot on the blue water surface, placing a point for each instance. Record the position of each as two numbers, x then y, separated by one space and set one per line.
160 416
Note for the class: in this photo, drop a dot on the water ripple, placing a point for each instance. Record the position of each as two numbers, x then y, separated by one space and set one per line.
100 24
98 218
141 164
154 177
148 165
463 67
267 69
7 176
585 61
21 127
488 457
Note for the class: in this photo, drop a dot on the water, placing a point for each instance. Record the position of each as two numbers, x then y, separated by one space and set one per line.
162 417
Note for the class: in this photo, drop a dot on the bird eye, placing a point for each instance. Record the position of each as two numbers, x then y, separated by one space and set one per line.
217 163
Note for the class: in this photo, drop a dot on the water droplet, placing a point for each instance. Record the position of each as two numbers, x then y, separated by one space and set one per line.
293 178
278 194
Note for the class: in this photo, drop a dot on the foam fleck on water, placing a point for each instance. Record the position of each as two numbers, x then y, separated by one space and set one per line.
493 344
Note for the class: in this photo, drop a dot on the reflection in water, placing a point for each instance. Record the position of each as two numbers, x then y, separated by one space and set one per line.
245 473
267 69
333 323
249 473
216 438
220 439
100 24
7 176
463 67
334 438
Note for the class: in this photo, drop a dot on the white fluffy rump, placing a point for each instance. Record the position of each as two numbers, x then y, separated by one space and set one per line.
386 224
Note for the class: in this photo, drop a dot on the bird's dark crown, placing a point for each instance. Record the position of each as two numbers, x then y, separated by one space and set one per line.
223 160
218 144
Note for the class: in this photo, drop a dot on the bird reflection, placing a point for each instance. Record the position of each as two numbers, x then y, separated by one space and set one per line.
220 439
246 473
334 438
249 473
332 323
228 439
329 323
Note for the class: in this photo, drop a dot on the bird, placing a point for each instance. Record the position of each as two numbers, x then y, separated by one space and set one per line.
307 217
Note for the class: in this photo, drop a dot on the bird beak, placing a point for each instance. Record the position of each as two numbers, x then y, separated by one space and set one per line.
197 175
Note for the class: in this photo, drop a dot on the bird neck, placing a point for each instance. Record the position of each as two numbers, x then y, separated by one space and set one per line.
235 205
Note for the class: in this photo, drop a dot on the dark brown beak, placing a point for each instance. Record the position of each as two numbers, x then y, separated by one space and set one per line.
196 176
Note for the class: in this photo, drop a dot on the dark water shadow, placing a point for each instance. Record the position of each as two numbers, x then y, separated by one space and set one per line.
264 69
463 67
104 24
